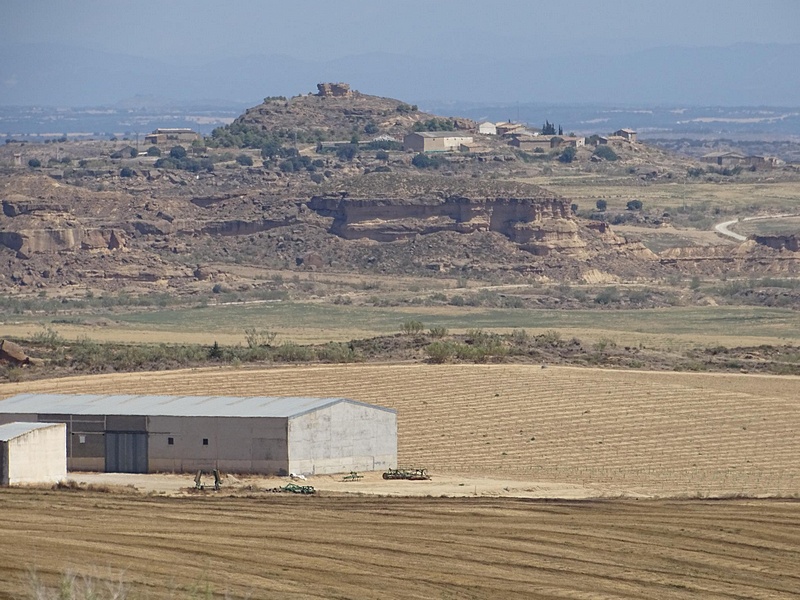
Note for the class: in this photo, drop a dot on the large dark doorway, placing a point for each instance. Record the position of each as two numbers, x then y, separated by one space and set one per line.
126 452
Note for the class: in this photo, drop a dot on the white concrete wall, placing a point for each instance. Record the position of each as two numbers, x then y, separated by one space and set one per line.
341 438
454 143
38 456
235 444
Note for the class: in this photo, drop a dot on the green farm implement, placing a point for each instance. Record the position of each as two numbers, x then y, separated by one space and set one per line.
409 474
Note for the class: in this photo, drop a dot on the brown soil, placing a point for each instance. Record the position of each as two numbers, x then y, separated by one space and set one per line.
353 547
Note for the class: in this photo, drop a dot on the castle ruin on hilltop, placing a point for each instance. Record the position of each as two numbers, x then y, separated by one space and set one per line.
338 90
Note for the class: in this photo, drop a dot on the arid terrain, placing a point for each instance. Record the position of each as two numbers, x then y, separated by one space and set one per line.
664 469
603 388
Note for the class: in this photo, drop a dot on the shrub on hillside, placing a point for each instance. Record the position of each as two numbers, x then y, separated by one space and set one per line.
634 205
423 161
177 153
568 155
606 153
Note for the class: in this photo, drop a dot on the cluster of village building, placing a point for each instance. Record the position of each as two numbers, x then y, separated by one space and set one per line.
516 135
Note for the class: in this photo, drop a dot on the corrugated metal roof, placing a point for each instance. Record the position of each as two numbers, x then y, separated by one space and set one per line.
168 406
442 134
10 431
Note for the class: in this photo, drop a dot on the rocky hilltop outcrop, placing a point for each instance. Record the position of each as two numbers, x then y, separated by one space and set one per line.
335 112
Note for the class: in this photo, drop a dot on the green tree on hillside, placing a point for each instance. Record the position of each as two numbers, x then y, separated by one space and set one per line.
178 153
634 205
568 155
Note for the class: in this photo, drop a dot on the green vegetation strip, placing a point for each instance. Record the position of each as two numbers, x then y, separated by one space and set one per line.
704 321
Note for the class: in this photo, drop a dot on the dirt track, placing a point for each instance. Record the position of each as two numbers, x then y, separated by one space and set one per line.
346 547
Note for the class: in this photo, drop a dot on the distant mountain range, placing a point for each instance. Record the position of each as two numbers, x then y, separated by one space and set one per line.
739 75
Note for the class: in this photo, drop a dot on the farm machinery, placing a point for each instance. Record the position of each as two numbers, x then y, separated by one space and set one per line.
409 474
293 488
198 480
353 476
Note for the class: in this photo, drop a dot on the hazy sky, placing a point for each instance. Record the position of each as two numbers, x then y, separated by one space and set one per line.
319 29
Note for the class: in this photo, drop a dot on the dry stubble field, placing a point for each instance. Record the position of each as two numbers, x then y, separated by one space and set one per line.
658 434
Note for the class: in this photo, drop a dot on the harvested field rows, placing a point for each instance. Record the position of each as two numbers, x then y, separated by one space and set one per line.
624 432
339 547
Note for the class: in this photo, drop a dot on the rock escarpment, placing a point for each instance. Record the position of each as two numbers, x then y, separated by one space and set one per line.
538 225
30 226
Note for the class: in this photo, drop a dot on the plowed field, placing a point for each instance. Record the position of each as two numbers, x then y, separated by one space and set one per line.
665 434
344 547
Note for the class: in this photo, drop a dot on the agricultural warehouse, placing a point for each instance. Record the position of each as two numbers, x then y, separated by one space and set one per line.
270 435
32 453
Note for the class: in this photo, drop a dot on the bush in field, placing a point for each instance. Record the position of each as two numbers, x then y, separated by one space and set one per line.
412 327
245 160
291 352
608 295
440 352
437 332
549 338
337 352
256 338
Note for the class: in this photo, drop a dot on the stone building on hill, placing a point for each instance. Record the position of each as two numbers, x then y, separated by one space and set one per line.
337 90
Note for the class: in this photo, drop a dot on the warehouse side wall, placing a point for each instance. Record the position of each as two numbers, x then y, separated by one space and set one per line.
38 456
343 437
231 444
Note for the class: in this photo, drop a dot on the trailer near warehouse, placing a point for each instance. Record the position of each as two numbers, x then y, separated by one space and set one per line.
269 435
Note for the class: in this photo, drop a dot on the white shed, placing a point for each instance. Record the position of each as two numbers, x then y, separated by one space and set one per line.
487 128
32 453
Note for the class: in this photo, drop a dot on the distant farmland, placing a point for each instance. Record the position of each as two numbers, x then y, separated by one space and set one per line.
666 434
